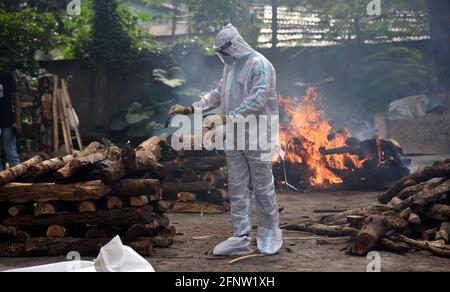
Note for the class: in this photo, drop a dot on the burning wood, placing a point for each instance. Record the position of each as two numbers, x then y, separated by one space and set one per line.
318 156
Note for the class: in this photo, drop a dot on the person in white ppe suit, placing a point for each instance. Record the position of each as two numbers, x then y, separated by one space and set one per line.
248 87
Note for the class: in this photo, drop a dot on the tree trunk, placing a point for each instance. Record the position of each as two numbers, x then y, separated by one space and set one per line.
17 193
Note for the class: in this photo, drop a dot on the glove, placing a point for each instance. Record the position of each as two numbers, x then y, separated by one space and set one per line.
214 121
180 110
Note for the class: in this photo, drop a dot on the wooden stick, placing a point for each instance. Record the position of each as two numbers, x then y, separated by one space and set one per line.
258 255
55 112
71 113
65 131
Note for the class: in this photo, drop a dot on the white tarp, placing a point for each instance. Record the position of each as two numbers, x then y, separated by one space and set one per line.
113 257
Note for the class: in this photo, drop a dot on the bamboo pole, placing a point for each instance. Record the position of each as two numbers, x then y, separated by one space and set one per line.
71 110
64 124
55 114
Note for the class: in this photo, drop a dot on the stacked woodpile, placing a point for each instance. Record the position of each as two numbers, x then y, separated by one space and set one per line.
195 181
80 202
417 217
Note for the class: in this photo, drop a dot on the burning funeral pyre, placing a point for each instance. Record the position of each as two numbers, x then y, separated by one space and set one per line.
318 156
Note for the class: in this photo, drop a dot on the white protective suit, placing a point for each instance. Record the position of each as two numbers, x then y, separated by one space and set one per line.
248 87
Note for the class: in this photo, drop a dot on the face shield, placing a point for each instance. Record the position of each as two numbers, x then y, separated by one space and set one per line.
226 58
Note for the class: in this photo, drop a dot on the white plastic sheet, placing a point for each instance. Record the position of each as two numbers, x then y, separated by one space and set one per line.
113 257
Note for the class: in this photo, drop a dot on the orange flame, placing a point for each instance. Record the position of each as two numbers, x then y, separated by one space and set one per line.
308 132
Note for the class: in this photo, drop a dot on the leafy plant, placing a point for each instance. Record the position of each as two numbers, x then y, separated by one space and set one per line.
137 121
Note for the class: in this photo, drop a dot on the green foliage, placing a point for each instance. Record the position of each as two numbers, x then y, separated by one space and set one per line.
136 121
392 73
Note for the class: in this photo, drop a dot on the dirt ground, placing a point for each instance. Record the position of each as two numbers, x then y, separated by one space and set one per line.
199 235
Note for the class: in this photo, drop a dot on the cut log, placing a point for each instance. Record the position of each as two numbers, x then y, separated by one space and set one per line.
137 187
425 197
187 197
18 193
143 246
145 157
356 221
188 175
162 207
376 227
396 201
140 230
56 231
42 209
80 163
372 210
87 207
200 164
139 201
193 187
12 250
404 214
390 245
119 217
436 171
198 207
13 232
114 203
444 232
220 195
429 234
414 219
438 211
59 162
423 245
20 170
323 230
18 210
62 246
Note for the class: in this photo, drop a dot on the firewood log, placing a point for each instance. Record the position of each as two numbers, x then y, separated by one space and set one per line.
87 206
200 164
42 209
436 171
392 246
193 187
414 219
56 231
141 230
17 193
12 250
444 232
162 207
429 234
188 175
220 195
145 157
372 210
19 210
197 207
13 232
137 187
80 163
114 203
438 211
376 227
323 230
423 245
62 246
425 197
119 217
143 246
59 162
187 197
139 201
356 221
20 170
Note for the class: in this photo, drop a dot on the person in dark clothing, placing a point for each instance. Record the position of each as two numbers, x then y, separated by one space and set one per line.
10 118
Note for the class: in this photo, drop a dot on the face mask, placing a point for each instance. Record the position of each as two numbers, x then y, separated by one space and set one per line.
227 60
